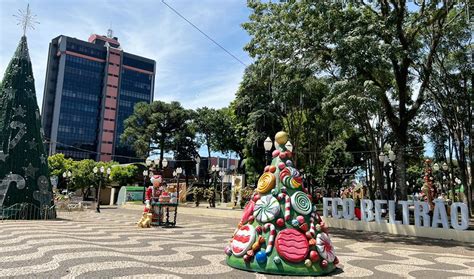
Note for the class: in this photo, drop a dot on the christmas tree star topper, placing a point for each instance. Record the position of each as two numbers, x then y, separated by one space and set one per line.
26 19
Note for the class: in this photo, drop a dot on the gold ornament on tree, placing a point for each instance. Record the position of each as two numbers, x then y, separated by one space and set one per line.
281 137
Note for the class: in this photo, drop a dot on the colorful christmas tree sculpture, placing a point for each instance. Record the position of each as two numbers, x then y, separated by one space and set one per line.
24 176
280 231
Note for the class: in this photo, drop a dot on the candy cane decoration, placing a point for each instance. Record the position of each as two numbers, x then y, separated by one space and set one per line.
287 205
271 237
312 230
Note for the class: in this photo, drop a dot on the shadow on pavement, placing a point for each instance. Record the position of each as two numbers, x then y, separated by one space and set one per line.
384 238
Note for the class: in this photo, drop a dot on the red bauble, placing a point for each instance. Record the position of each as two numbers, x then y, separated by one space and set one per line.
275 153
281 165
313 256
256 197
323 263
282 155
300 219
266 168
280 222
272 169
304 227
247 258
251 219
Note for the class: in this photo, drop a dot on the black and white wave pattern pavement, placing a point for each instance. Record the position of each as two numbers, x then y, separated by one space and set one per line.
109 245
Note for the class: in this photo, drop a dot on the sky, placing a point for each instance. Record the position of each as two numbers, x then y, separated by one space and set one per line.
190 68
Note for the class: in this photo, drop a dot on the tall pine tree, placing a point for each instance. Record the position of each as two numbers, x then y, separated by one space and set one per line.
25 188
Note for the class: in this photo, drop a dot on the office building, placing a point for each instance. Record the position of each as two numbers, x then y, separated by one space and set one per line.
90 89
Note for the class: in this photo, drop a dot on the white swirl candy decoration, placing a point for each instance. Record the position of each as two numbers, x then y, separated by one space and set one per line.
301 203
325 248
287 205
271 237
243 240
266 209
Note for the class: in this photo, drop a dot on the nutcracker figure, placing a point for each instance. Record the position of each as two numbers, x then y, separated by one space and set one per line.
152 195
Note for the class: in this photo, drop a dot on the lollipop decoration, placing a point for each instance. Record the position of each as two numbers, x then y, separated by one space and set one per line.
266 209
266 182
324 246
301 203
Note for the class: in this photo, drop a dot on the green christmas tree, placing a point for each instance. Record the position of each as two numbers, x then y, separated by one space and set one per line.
280 231
25 188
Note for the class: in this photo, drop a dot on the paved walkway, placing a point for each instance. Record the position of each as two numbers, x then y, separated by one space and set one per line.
109 245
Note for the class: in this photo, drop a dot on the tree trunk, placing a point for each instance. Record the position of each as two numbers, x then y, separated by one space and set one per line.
162 150
400 169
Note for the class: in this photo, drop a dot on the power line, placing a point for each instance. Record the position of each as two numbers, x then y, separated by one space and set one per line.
204 33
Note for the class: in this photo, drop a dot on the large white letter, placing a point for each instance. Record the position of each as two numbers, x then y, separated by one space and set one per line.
422 210
325 206
406 212
464 216
366 207
391 213
348 209
335 212
378 210
439 214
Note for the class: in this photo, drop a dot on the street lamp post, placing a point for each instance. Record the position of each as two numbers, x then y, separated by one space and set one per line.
214 170
449 185
67 177
436 168
145 176
267 144
154 165
177 173
101 175
387 163
221 175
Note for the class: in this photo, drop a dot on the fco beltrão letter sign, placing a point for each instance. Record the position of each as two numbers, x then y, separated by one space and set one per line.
344 208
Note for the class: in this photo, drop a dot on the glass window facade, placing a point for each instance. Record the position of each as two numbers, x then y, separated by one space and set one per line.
89 51
80 108
129 61
135 87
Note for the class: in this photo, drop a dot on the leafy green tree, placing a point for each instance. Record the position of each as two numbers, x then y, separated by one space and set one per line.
123 175
451 91
387 44
257 116
207 122
58 164
154 126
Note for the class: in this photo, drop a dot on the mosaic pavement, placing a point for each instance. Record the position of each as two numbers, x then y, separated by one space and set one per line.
109 245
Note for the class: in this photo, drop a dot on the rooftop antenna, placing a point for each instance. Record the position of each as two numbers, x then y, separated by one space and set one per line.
110 33
26 19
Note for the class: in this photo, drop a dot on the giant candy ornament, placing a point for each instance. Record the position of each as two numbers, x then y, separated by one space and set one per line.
280 232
